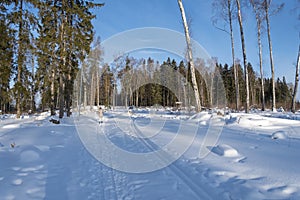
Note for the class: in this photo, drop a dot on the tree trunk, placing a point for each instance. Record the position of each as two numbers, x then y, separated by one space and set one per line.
107 83
190 56
211 88
271 56
257 12
32 98
68 90
98 87
62 64
19 62
236 80
80 89
244 55
61 95
262 85
293 107
92 97
114 94
84 93
126 99
52 92
137 97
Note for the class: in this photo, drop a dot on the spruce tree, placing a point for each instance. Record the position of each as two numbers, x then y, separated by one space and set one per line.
67 29
6 64
24 23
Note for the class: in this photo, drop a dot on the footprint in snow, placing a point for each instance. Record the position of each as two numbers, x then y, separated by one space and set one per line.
241 160
277 191
17 181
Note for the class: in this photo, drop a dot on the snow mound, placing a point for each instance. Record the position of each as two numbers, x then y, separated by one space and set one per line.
9 126
17 181
202 118
279 135
225 150
252 121
41 117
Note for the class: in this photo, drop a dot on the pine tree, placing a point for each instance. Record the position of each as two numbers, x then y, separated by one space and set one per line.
68 28
6 64
24 24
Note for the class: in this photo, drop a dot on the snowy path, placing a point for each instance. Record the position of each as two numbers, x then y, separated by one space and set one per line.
52 161
172 182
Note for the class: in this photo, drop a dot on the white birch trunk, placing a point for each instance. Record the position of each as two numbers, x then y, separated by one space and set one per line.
190 56
296 83
271 56
244 56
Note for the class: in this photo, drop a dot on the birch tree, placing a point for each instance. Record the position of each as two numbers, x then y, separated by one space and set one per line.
257 8
225 10
294 96
190 56
244 55
267 4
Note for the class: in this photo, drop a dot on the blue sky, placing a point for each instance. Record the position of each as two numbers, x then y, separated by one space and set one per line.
119 15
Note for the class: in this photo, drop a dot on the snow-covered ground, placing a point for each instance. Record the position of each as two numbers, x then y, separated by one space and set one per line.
236 156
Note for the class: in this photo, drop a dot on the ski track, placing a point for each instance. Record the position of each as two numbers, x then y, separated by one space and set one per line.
182 171
198 191
200 181
172 171
110 181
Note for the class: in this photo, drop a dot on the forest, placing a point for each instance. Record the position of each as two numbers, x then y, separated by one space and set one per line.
166 82
42 46
51 60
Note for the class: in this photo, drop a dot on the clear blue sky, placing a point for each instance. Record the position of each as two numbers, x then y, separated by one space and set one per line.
120 15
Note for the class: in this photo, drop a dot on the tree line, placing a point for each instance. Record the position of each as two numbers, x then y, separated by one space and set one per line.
42 45
284 90
225 12
146 82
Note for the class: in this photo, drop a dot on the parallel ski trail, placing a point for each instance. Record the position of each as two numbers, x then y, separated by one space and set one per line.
112 175
99 177
115 182
199 192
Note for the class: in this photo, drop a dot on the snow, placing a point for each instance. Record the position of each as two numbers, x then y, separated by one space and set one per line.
225 150
279 135
179 156
8 126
